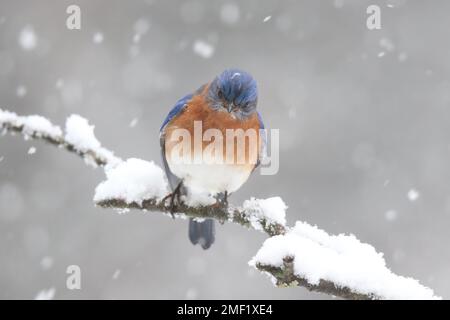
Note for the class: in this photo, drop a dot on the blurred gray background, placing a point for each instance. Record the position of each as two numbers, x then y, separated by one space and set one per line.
363 118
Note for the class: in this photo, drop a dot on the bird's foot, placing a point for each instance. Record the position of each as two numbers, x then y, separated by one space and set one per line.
222 202
175 199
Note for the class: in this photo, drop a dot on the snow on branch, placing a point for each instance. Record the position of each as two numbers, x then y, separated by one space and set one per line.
79 137
139 184
300 256
338 265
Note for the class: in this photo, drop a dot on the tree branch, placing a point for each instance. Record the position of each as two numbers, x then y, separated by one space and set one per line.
37 127
285 277
233 215
58 142
283 254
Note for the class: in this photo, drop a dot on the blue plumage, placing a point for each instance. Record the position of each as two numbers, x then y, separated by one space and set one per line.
176 109
236 90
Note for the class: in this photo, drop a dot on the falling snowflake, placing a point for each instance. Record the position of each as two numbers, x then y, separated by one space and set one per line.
32 150
59 83
391 215
413 195
387 44
98 37
203 49
267 18
27 38
21 91
134 122
46 262
116 274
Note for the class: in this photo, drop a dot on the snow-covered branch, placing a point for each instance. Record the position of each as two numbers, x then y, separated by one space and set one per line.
302 255
139 184
78 138
337 265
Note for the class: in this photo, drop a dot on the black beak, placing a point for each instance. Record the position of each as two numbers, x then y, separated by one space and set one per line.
231 107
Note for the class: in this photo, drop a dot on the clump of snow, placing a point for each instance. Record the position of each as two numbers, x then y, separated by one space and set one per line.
40 126
341 259
134 180
273 210
32 125
46 294
203 49
7 116
196 198
28 38
413 195
81 134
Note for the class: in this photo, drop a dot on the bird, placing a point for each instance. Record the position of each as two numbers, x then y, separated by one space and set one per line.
227 102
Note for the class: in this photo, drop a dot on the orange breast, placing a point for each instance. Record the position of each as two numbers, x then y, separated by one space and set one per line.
240 139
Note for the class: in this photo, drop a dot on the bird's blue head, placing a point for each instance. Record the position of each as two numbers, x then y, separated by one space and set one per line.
234 91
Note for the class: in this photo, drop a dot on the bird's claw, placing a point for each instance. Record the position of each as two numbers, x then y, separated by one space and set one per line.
174 196
222 203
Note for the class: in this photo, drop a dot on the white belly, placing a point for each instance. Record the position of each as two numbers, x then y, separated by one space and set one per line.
211 178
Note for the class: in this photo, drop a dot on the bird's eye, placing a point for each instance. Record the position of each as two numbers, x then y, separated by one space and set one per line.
220 94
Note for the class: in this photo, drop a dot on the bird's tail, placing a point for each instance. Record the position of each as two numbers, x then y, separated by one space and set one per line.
202 233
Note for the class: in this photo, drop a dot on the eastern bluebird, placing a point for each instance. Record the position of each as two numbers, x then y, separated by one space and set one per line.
227 102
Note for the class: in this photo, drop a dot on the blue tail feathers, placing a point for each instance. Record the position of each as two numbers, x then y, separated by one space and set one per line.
202 233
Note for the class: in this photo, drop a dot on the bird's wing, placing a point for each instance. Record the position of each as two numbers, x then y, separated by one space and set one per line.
179 106
176 110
